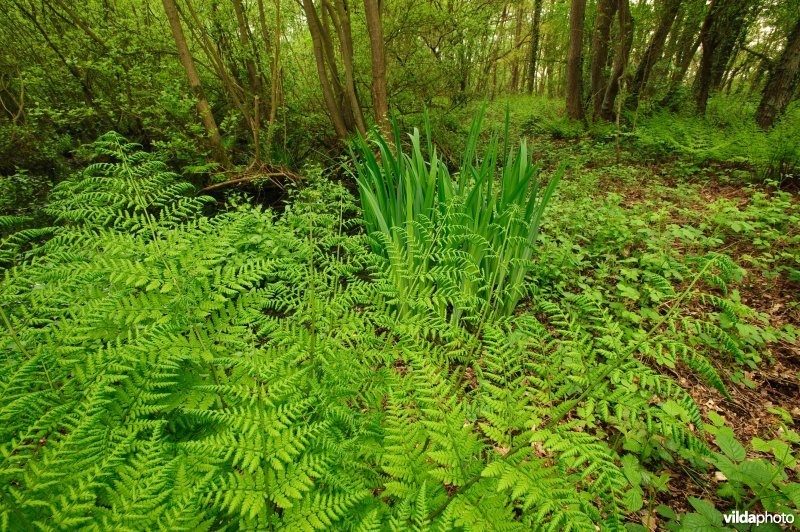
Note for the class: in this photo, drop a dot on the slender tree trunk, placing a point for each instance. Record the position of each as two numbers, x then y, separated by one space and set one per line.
703 80
233 91
341 21
500 36
736 38
380 98
687 46
545 85
253 76
514 82
654 50
244 37
276 66
676 33
602 28
343 100
328 92
723 27
534 50
577 12
782 82
17 102
203 109
494 50
729 77
764 68
620 59
217 46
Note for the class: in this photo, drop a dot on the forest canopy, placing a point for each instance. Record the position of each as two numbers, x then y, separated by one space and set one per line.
399 264
278 80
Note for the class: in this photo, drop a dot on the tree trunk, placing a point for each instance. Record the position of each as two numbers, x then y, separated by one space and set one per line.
534 52
723 27
244 37
577 12
339 92
328 95
654 49
276 66
676 33
602 28
233 91
514 83
342 23
687 45
17 101
782 82
763 68
203 109
728 81
620 59
494 51
500 36
380 98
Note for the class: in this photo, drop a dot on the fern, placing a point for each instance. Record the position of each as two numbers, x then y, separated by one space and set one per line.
170 367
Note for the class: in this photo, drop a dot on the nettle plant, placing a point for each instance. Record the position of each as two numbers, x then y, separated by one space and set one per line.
169 369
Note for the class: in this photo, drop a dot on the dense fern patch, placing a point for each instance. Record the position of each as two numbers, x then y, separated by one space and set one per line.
165 368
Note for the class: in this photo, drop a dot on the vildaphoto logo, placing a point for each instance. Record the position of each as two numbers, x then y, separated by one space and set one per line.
741 518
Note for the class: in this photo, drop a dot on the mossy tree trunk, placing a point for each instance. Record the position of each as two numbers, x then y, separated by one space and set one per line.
782 81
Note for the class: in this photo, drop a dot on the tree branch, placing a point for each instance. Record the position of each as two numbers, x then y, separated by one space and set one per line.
767 61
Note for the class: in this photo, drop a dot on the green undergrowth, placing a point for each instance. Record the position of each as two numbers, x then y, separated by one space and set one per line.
171 364
630 255
726 135
464 245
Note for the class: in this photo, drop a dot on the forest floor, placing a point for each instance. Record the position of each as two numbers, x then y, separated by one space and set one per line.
685 208
673 283
776 381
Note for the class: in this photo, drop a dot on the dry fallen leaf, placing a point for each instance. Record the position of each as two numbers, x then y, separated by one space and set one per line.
649 521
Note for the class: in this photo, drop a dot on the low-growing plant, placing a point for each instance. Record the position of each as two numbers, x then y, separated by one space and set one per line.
752 484
165 368
22 193
725 135
471 237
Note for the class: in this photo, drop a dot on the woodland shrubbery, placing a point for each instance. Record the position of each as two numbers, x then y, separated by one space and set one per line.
180 364
725 135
